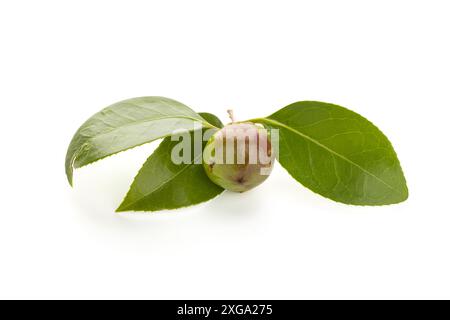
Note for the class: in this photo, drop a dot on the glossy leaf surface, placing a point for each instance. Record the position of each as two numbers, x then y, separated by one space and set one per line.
125 125
338 154
162 184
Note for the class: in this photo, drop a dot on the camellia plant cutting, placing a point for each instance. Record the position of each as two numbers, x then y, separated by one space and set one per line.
329 149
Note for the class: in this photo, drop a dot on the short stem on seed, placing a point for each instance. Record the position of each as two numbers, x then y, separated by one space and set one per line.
231 115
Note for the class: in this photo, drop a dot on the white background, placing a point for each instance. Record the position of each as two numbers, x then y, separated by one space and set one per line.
62 61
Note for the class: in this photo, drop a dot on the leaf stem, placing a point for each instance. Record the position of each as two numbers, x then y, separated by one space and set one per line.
257 120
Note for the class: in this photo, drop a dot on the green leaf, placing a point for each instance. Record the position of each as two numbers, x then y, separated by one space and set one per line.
125 125
161 184
338 154
212 119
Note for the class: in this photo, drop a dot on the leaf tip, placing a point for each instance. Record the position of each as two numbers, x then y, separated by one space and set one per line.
124 206
404 192
121 208
405 195
69 168
69 178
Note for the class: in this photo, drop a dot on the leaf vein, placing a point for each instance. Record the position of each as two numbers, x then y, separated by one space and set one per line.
279 124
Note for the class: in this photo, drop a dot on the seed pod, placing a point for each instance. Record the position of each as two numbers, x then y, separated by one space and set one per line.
239 157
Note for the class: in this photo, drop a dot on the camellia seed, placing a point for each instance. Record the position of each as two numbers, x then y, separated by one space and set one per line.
239 157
